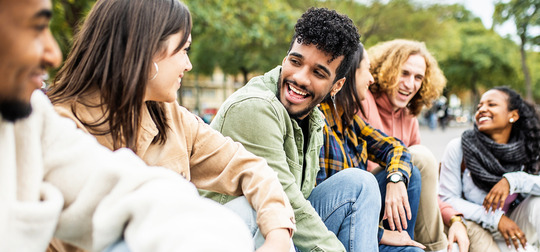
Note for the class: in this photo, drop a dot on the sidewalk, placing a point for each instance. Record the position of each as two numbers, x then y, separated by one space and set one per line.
436 140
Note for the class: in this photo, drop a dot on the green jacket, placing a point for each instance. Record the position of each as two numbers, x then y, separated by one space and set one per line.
255 117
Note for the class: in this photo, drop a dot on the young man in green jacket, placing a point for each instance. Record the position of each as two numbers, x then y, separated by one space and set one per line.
274 116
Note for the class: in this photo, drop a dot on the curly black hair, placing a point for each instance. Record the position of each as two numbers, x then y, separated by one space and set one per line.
330 32
528 124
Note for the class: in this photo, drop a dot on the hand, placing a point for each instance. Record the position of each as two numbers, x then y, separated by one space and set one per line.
497 195
396 206
511 232
396 238
458 233
276 240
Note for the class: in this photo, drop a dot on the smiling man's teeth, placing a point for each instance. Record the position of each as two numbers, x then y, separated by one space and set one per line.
404 93
483 119
297 91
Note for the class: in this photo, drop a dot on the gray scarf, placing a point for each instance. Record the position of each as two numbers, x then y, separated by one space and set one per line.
488 160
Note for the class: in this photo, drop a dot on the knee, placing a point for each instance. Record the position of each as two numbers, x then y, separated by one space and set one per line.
412 249
534 210
364 182
424 159
243 208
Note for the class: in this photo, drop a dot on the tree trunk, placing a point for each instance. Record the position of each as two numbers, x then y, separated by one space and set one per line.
525 68
475 97
245 73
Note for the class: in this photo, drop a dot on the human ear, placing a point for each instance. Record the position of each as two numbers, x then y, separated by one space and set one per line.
514 116
337 86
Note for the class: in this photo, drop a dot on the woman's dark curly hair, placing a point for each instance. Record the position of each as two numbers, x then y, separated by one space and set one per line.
330 32
528 125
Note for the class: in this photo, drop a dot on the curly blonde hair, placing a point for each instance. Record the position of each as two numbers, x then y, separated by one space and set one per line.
386 61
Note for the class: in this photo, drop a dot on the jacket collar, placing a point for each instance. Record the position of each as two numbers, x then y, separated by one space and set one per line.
271 79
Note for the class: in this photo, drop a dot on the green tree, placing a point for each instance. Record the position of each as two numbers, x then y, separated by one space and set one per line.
525 15
405 19
66 19
481 60
239 36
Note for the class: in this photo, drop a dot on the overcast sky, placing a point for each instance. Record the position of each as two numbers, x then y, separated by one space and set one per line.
483 9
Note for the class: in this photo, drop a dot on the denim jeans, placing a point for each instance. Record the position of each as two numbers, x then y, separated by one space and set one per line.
242 208
349 204
118 246
413 192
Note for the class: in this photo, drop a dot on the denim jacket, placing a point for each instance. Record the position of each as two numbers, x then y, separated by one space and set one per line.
255 117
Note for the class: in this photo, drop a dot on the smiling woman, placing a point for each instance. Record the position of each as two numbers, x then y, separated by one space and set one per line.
500 160
170 68
120 83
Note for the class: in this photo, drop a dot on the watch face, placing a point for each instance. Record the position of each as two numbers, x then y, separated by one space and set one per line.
395 178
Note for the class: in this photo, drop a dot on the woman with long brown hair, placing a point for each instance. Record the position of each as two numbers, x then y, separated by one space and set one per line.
120 83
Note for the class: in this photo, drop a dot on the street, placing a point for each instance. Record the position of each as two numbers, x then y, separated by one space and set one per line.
436 140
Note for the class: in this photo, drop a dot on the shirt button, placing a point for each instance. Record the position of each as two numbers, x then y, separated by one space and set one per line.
183 174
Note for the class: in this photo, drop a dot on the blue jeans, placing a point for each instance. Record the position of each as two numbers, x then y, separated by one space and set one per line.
413 192
242 207
349 205
118 246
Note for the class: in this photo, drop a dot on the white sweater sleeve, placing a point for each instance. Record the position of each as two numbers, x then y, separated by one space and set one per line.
451 188
109 195
522 182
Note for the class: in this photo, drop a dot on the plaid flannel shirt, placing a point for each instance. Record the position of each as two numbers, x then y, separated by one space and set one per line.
356 144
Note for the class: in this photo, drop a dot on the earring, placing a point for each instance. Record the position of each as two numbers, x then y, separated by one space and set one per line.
157 70
333 97
511 120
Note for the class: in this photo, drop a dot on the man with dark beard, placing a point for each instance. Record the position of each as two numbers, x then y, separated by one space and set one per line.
57 181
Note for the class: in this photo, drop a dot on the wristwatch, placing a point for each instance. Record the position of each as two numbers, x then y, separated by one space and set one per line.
396 178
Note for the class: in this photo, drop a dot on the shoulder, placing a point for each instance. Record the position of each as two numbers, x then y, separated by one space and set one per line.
252 101
179 114
250 110
453 151
80 113
454 144
369 106
39 98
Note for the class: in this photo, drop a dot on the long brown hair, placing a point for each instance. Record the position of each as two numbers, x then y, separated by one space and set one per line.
348 99
113 53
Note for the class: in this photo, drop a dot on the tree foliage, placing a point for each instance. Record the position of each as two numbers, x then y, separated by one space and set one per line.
525 15
239 36
482 60
243 37
66 19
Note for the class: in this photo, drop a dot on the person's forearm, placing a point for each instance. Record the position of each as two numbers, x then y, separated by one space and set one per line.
522 182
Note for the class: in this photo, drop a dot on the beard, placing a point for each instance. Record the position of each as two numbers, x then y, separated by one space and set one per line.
299 114
305 112
12 110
